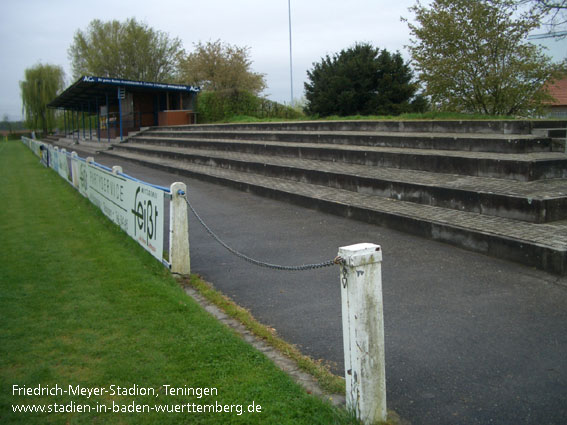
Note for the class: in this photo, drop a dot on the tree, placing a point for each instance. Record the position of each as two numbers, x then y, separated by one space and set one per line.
41 85
6 124
219 66
129 50
473 56
552 14
361 80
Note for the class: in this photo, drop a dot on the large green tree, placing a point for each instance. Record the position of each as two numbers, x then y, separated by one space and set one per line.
129 49
218 66
552 14
361 80
473 56
41 85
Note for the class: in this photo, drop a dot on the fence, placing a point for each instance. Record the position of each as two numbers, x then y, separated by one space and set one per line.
136 206
139 209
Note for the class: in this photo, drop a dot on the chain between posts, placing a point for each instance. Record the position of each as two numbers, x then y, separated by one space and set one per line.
303 267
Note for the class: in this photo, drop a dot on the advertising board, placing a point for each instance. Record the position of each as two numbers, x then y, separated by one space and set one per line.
136 207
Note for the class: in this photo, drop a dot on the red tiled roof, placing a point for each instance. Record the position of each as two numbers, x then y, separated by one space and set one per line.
559 91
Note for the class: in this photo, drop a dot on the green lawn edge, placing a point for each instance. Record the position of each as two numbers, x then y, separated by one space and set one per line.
425 116
329 382
83 304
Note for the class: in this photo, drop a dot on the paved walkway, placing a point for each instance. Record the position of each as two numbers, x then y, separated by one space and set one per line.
469 339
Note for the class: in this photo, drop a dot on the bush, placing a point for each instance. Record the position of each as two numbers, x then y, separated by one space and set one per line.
217 106
362 80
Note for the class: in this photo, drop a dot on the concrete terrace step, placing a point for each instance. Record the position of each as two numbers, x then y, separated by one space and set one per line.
500 143
525 167
539 245
420 126
85 146
539 201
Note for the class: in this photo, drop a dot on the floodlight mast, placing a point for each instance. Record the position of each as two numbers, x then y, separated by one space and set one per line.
290 57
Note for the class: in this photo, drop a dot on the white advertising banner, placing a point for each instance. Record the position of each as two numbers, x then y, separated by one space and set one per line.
80 179
54 158
63 166
136 207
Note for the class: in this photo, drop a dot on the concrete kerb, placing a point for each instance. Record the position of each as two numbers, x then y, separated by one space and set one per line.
308 382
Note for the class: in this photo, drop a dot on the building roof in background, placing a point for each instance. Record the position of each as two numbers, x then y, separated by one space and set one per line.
95 89
559 91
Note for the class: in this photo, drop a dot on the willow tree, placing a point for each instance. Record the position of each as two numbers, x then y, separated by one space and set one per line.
129 50
473 56
41 85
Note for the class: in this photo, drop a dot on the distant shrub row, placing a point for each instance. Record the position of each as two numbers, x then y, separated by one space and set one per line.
218 106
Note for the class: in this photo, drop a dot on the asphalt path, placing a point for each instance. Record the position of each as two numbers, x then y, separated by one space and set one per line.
469 339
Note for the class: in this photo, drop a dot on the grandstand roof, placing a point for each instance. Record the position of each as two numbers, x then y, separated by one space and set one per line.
92 89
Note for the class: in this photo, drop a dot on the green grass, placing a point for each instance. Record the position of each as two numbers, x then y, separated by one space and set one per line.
432 115
82 304
329 382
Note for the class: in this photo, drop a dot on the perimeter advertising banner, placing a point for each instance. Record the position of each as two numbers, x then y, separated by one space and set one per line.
53 158
136 207
63 166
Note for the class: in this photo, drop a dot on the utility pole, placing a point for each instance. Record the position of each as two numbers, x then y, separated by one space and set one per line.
290 59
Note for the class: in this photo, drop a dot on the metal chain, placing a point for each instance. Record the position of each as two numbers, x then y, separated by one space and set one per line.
302 267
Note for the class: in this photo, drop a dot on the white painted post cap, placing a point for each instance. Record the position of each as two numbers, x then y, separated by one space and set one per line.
361 253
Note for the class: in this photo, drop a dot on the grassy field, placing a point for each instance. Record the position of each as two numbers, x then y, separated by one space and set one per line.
84 307
432 115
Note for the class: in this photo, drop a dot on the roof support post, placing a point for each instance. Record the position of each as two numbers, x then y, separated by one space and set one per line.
156 109
73 124
90 122
107 119
121 91
64 122
98 119
83 116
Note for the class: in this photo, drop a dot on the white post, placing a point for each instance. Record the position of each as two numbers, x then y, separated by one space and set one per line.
116 169
179 231
75 169
363 331
54 162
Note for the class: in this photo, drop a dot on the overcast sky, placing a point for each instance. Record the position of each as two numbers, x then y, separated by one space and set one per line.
34 31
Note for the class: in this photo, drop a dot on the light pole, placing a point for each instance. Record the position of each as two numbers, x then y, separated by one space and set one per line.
290 59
